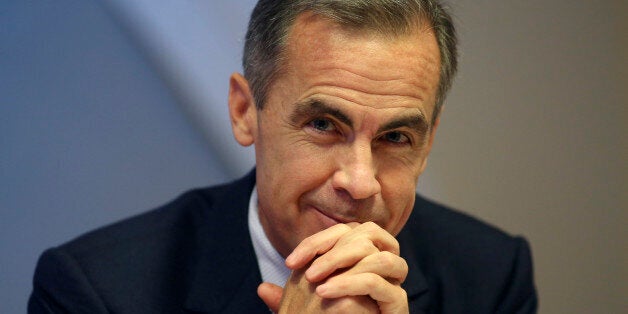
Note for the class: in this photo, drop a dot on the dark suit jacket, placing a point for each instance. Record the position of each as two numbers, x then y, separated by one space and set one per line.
195 255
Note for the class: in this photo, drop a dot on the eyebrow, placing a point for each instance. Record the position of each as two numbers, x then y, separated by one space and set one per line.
416 122
315 107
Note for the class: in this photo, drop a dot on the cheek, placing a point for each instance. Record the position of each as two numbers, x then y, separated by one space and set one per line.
400 209
301 162
293 169
398 192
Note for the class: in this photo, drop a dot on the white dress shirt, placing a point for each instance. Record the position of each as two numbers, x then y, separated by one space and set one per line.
271 265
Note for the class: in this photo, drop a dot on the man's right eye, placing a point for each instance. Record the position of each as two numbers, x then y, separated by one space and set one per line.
322 125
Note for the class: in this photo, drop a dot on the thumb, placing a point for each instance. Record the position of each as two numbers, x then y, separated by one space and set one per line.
271 295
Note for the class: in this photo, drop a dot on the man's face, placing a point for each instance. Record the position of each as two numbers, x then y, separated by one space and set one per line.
345 131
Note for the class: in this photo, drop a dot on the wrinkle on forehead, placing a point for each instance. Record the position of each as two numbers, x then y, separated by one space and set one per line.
324 58
380 87
373 102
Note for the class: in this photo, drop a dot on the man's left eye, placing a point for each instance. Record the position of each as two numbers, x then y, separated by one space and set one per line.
396 137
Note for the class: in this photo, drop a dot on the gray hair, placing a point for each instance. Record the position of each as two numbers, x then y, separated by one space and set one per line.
271 21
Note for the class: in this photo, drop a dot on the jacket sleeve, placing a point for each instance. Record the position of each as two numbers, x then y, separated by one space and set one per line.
520 293
60 286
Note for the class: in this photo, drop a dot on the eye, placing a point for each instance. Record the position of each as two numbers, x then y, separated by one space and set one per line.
322 125
396 138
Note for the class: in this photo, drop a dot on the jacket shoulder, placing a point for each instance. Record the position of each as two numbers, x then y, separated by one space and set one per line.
178 218
468 263
174 216
140 263
453 230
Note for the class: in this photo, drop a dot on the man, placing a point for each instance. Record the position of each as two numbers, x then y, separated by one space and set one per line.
341 100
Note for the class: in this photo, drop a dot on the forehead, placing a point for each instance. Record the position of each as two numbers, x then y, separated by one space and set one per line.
363 67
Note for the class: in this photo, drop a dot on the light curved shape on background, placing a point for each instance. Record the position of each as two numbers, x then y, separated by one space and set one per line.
195 46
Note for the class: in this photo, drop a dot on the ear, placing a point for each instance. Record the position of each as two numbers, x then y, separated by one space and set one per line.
242 110
430 142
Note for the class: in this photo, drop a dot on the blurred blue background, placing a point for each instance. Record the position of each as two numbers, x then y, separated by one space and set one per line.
111 107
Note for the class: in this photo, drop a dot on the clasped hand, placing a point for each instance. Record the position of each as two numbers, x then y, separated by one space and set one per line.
347 268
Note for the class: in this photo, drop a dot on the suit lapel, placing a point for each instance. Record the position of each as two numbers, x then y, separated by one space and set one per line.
416 284
226 276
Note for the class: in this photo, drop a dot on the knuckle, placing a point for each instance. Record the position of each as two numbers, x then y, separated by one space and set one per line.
396 245
324 259
364 245
343 228
307 243
372 281
404 265
392 245
403 294
371 227
353 304
386 259
345 304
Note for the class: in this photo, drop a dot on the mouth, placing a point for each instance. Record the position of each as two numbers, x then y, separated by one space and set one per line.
329 219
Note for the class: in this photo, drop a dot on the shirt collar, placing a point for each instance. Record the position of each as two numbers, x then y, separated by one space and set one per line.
272 265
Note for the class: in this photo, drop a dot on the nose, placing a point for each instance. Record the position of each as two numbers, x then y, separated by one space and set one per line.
356 173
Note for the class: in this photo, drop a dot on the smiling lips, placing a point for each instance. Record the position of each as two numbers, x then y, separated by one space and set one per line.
330 219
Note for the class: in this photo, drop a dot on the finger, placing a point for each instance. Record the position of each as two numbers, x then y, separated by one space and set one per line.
340 256
385 264
382 239
390 298
352 304
363 240
314 245
271 295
